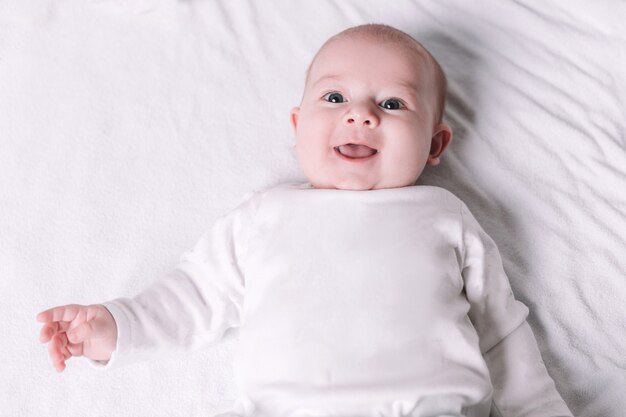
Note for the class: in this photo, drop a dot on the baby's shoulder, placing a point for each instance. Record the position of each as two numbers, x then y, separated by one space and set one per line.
255 198
440 196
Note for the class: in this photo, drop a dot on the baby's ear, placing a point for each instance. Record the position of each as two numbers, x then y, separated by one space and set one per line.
442 137
295 112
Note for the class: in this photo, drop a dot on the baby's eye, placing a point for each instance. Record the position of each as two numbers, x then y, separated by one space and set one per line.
334 97
392 104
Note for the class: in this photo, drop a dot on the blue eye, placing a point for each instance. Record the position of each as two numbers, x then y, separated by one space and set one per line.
391 104
334 98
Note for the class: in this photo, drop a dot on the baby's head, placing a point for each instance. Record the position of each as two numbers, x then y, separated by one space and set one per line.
371 111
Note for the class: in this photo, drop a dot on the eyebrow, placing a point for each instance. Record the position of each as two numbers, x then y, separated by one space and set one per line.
324 78
409 86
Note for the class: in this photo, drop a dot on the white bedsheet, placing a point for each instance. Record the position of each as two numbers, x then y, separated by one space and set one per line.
127 127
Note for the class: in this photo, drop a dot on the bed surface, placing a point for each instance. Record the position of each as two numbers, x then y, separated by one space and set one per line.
126 128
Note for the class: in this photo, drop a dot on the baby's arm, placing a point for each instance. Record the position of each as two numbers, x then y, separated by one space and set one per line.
76 330
522 386
520 379
188 308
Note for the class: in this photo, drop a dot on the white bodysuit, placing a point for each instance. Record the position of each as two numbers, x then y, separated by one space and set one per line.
380 303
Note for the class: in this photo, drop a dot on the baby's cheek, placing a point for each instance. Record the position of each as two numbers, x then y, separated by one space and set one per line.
309 158
407 153
406 164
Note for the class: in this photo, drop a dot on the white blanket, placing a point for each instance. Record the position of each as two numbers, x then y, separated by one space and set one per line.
127 127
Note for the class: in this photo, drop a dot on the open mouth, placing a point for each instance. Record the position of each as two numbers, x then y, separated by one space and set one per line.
355 152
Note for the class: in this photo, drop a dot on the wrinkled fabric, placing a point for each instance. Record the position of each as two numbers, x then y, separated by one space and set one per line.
348 303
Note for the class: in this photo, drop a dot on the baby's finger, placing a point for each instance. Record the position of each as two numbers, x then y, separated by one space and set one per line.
65 351
80 333
54 348
56 345
59 366
63 313
45 316
59 352
47 331
75 349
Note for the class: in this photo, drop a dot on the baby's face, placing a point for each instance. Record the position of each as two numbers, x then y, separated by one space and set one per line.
366 120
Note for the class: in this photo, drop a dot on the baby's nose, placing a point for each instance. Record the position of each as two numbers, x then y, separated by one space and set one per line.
363 117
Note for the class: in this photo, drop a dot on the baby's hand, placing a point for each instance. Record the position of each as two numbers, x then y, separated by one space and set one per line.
76 330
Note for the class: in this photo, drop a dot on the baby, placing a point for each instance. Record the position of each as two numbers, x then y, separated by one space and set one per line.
358 293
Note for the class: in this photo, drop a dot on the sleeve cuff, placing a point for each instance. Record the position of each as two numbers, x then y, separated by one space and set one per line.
122 354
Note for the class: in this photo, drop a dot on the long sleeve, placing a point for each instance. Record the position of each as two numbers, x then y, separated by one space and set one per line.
193 305
522 386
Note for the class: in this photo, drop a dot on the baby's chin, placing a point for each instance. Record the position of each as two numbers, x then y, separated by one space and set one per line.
357 185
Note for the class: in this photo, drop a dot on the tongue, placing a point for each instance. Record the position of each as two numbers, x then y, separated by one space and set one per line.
356 151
